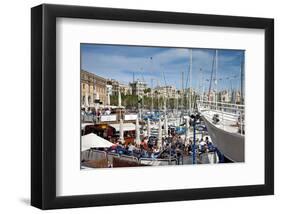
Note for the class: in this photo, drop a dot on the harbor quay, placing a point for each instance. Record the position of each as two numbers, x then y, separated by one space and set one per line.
138 129
157 106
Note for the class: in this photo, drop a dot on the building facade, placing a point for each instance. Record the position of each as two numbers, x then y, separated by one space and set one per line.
211 96
224 96
166 91
93 89
138 88
125 89
236 96
116 86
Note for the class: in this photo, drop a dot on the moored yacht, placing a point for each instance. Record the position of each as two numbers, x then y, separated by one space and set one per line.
225 124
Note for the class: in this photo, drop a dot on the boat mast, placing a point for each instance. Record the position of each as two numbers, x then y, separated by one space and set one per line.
242 79
158 100
151 93
151 90
211 79
190 73
165 97
182 88
201 86
216 81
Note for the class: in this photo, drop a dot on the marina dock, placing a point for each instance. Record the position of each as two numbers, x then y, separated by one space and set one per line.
156 124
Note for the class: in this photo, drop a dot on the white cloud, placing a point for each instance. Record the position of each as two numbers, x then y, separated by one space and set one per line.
172 62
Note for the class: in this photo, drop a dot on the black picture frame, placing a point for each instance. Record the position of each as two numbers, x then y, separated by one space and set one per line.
43 106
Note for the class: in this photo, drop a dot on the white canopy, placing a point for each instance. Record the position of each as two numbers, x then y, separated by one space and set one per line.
126 127
94 141
115 107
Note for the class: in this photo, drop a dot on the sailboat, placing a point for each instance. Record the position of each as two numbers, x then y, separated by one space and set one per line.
225 123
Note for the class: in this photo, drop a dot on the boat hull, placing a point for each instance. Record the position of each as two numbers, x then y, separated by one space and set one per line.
232 145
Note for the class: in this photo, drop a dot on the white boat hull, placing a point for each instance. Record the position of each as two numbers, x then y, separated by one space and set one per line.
232 145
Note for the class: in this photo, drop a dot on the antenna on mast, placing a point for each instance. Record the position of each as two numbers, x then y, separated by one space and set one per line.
133 76
211 79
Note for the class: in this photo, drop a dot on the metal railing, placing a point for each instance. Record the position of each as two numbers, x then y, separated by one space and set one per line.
227 112
220 106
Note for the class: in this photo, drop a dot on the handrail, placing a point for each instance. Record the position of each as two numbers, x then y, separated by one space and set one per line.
233 104
226 110
223 106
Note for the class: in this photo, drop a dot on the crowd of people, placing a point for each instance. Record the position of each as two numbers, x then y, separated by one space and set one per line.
173 146
170 147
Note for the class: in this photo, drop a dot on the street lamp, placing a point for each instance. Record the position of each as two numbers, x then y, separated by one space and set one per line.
194 119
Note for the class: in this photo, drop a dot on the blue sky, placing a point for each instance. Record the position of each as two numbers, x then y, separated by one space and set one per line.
119 62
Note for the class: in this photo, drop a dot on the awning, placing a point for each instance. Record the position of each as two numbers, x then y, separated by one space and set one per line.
94 141
126 127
